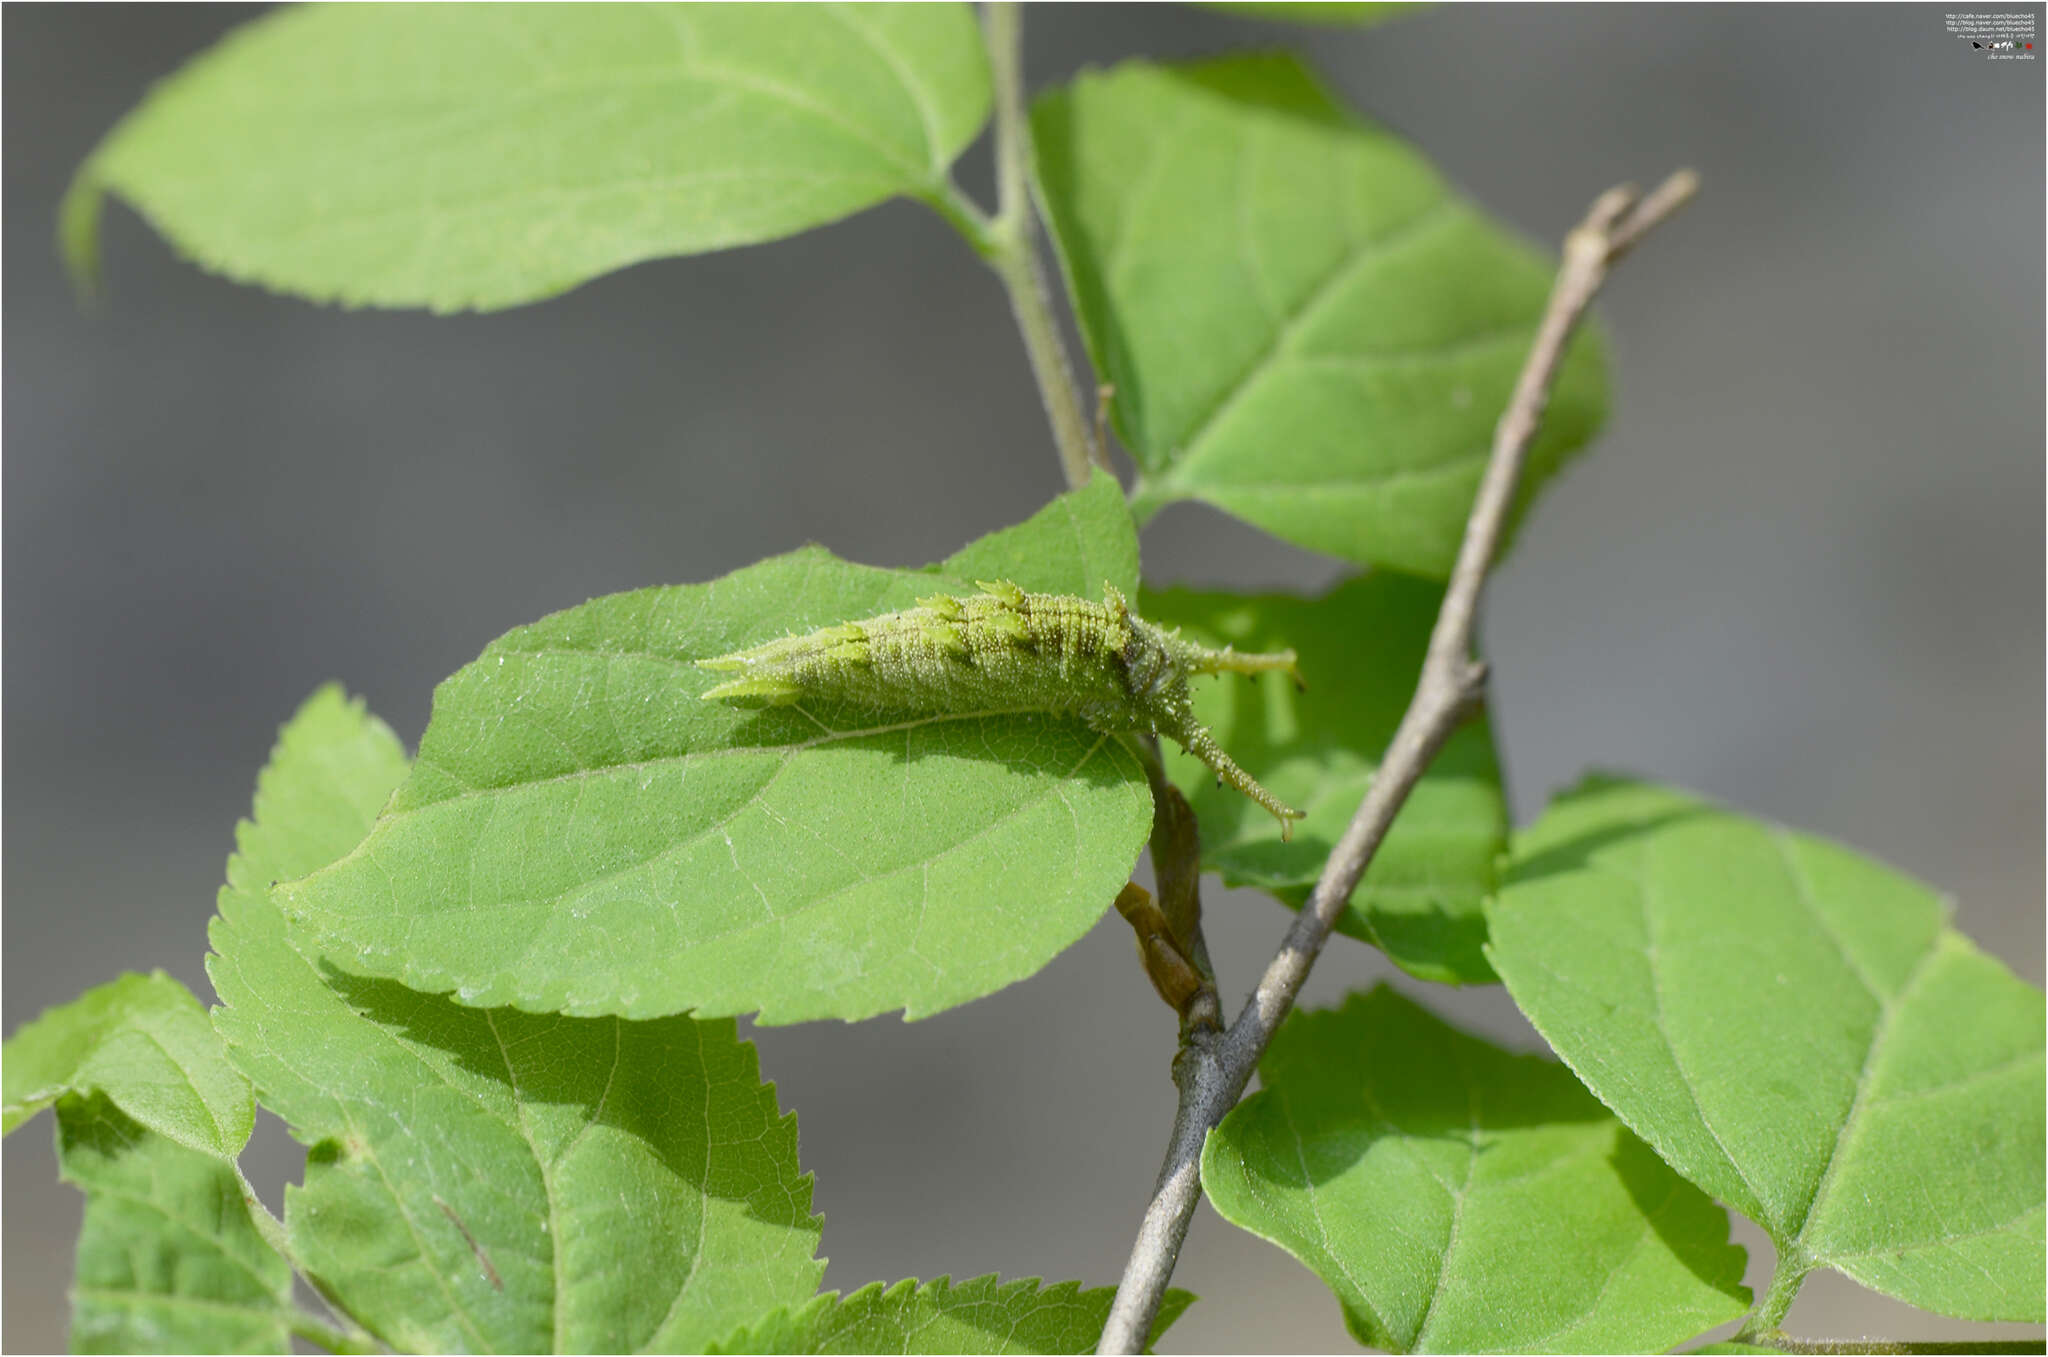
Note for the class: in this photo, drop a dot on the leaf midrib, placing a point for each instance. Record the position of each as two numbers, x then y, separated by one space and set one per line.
1473 1136
689 65
339 1111
784 751
438 979
281 1318
211 1243
1648 914
1845 1134
861 878
1358 255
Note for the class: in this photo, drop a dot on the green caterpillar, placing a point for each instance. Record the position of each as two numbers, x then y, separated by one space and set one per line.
1006 650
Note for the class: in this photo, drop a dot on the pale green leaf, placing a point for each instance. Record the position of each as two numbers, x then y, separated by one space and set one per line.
980 1315
144 1041
459 156
1075 545
1305 327
1796 1029
583 834
1458 1198
1361 648
169 1258
491 1180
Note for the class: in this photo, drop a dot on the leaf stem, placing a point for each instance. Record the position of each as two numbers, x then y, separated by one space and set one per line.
331 1338
348 1336
1009 242
1177 871
267 1225
964 215
1213 1069
1764 1321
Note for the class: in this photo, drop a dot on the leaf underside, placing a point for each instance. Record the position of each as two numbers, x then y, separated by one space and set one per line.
486 1180
1305 328
144 1042
582 834
1796 1029
1361 648
169 1257
1457 1198
979 1315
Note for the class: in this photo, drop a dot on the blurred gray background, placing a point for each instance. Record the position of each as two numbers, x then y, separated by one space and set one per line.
1802 571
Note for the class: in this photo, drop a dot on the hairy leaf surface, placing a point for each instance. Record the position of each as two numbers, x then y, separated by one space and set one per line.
1361 648
979 1315
1796 1029
1458 1198
583 834
480 156
170 1258
144 1041
487 1180
1304 326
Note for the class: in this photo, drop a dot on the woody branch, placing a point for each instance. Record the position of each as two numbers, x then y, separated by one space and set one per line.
1214 1067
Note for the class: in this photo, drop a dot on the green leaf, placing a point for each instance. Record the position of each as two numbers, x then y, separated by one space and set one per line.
1304 326
980 1315
1361 648
486 155
1330 13
492 1180
583 835
144 1041
1075 545
170 1258
1971 1349
1796 1029
1461 1199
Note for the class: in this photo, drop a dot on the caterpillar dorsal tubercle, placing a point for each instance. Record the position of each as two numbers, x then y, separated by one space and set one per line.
1007 650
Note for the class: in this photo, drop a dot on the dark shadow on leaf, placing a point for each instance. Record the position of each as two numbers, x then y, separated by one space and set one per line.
1029 743
1361 645
636 1078
1383 1087
1267 84
1016 1316
1417 1078
1655 1189
1576 853
1433 930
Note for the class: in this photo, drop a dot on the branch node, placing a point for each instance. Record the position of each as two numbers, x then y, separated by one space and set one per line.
1472 684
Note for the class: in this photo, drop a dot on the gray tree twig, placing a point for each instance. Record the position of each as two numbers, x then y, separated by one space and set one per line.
1214 1067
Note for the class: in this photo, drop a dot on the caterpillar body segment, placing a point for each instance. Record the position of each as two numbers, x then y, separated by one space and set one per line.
1007 650
999 650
